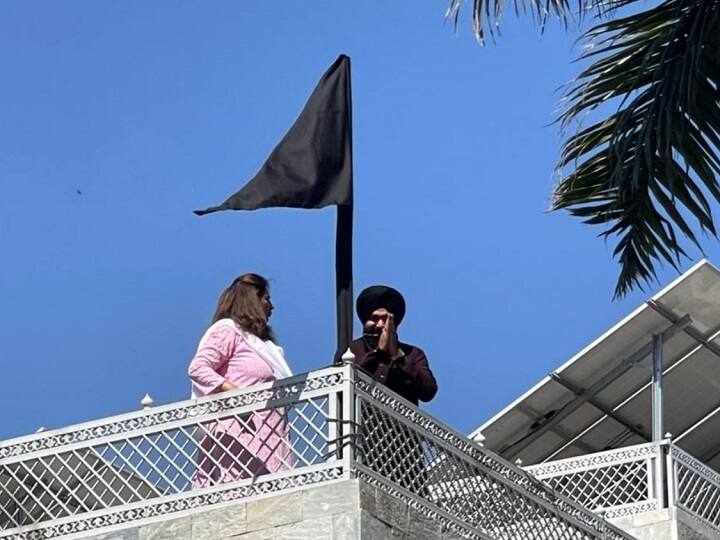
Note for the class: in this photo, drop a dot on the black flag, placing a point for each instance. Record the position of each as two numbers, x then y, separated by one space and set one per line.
312 165
312 168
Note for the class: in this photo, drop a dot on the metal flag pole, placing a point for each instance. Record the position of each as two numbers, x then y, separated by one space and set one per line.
343 248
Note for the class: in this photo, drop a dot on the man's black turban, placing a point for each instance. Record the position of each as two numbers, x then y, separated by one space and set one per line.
380 296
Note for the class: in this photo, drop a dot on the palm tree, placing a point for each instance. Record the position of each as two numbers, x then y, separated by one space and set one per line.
646 171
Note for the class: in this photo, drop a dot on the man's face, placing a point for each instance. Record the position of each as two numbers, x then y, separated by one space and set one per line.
376 322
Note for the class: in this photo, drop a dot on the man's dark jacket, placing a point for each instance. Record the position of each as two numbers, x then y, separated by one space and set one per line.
409 376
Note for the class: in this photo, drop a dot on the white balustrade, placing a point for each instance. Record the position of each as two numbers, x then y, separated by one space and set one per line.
620 482
320 427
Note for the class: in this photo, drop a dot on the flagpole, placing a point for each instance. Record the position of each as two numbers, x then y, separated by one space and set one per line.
343 277
343 241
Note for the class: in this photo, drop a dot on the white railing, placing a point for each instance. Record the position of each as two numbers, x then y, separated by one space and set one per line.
321 427
454 480
637 479
694 487
613 483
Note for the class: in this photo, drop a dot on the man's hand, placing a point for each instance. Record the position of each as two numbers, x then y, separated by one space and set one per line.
388 341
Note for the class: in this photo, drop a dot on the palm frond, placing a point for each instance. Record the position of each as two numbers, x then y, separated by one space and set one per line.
645 170
486 14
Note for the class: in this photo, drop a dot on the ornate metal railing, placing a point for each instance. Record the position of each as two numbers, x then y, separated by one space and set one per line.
613 483
454 480
637 479
694 487
320 427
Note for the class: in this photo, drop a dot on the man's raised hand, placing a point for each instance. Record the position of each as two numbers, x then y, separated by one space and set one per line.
388 341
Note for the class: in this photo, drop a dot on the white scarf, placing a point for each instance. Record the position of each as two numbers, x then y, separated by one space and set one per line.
272 354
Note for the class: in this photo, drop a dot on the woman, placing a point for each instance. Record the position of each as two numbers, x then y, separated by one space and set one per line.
238 351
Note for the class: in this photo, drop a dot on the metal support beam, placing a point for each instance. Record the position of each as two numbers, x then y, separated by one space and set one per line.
523 442
533 413
690 330
657 386
683 357
601 407
657 416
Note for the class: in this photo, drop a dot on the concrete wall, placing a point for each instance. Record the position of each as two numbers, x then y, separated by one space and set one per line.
354 510
667 524
348 510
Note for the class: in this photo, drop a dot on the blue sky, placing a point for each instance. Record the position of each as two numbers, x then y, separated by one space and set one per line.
120 118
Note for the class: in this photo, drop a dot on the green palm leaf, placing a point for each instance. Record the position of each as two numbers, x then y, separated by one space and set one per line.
644 172
654 162
486 14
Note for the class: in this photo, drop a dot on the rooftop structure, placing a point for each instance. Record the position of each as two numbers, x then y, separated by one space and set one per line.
361 462
137 472
631 424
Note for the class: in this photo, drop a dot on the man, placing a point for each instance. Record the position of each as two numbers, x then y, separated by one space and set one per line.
402 367
389 447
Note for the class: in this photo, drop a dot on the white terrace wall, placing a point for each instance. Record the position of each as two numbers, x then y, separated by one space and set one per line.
347 510
668 524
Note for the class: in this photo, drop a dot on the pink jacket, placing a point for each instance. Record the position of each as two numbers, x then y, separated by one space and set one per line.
224 354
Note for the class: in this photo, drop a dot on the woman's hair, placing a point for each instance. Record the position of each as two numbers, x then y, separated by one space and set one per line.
241 302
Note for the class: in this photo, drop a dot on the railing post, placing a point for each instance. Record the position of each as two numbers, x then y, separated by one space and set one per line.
659 474
349 417
335 430
651 477
670 474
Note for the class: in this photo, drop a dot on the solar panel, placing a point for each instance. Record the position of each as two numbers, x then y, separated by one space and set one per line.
602 397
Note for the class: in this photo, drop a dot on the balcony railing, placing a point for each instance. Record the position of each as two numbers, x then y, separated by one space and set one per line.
693 486
320 427
637 479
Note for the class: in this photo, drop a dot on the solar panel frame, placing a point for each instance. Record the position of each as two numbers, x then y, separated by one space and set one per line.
691 384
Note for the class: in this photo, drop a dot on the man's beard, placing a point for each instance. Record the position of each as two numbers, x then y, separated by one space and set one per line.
371 340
